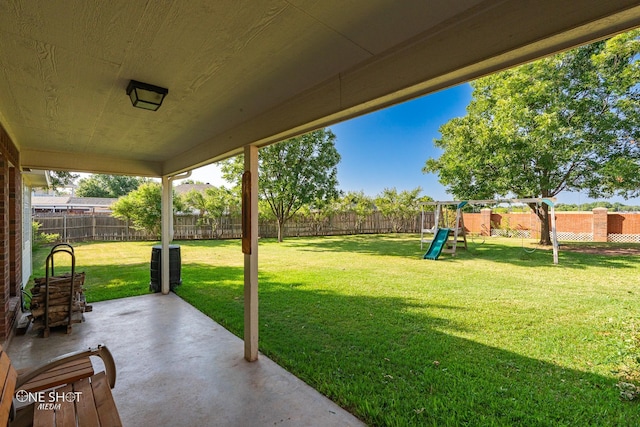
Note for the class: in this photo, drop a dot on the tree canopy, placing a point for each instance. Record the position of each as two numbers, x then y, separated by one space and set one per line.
293 173
567 122
212 204
358 203
143 207
61 178
400 208
113 186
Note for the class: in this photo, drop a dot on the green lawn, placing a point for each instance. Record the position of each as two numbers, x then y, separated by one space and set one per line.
494 336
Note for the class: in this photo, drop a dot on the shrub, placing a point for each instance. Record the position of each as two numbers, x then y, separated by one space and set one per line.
40 238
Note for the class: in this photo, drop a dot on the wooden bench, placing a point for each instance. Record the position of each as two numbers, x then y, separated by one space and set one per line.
64 392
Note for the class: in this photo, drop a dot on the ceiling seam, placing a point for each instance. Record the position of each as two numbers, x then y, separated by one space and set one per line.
324 24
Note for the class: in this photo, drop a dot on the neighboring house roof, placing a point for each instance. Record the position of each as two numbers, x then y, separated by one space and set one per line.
94 201
185 188
68 202
50 200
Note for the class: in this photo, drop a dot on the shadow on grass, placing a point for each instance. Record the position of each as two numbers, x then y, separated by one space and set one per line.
389 361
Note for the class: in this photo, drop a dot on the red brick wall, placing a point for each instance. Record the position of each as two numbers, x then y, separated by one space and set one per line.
10 233
623 223
15 230
5 248
472 222
515 220
574 222
571 222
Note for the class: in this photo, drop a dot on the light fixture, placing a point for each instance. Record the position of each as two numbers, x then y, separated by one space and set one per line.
146 96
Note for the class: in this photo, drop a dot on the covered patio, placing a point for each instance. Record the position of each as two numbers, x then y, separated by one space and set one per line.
178 367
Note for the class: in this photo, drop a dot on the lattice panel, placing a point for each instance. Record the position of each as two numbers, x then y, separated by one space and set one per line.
624 238
574 237
520 234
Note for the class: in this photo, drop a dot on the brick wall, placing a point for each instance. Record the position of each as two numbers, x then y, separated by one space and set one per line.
514 220
575 222
473 222
599 222
5 248
623 223
10 233
15 231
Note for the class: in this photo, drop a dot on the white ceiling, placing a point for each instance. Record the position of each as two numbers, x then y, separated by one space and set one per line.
249 71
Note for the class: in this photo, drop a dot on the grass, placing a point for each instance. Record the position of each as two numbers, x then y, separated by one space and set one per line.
113 270
492 337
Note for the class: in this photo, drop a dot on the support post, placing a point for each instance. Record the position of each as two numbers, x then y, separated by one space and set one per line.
250 250
554 235
166 235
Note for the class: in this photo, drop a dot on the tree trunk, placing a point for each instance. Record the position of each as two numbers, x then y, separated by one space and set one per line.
542 212
280 229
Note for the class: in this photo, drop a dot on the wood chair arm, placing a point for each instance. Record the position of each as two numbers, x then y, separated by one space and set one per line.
100 351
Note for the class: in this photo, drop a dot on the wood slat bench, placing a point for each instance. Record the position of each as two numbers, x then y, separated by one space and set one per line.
64 392
63 374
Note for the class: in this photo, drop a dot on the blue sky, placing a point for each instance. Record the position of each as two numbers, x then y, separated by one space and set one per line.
388 148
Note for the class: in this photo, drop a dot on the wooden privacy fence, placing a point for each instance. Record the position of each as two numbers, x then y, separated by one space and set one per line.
87 227
597 225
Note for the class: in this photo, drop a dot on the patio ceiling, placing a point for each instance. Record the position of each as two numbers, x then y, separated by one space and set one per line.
250 72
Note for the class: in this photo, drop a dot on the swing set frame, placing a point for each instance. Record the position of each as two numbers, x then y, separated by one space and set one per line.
459 230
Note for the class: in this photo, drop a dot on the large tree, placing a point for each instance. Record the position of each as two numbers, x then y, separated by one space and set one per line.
114 186
567 122
293 173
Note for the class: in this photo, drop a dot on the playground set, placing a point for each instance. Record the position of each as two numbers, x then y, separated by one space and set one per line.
447 234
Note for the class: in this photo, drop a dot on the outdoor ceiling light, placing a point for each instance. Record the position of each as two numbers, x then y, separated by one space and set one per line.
146 96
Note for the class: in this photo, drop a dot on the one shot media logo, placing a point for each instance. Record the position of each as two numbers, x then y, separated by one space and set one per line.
48 400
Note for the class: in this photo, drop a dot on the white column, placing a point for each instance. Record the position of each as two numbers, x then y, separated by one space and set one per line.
166 235
554 234
250 249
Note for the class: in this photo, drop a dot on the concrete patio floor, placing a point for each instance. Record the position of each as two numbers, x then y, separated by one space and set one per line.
177 367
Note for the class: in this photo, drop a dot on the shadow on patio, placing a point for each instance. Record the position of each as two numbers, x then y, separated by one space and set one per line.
177 367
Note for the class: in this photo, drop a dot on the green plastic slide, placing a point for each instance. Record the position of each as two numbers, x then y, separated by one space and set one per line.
436 245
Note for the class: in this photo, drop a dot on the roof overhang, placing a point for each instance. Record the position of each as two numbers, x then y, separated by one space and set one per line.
35 178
